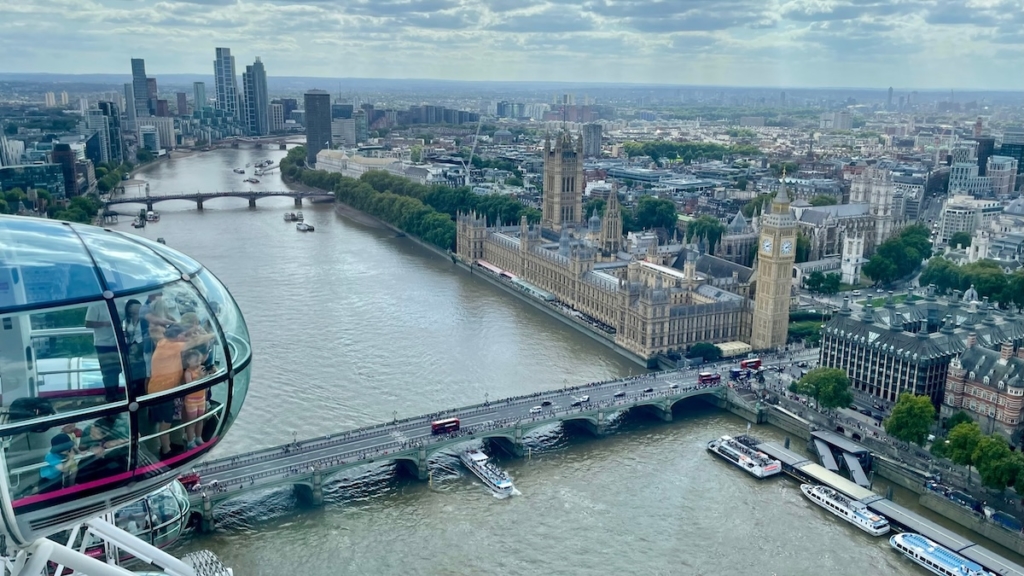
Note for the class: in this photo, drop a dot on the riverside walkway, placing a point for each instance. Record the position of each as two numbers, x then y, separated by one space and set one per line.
409 443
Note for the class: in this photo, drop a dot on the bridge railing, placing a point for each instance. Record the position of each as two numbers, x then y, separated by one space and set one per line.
240 461
411 422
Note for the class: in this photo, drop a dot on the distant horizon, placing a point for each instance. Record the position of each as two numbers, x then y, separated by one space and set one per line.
194 76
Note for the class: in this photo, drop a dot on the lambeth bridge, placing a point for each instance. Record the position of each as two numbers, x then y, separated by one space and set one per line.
251 195
409 443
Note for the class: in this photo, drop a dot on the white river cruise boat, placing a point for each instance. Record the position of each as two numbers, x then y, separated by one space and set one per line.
741 452
852 511
495 478
935 558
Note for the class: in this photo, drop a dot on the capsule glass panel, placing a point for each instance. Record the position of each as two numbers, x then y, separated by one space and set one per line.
117 360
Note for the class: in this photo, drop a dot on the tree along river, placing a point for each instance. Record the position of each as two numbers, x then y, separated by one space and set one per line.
352 326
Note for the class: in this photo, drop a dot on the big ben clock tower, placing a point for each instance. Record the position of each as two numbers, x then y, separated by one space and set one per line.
776 253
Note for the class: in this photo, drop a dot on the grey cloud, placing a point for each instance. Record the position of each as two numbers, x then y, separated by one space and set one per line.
851 10
954 14
552 20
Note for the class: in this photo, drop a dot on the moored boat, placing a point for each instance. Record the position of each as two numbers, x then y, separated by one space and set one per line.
290 217
934 558
302 227
251 180
740 451
239 170
152 216
493 477
853 511
298 216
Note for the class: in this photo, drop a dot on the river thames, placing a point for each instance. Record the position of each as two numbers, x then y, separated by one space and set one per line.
352 326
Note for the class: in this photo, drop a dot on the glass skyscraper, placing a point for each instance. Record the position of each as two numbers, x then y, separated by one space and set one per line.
140 88
254 82
226 82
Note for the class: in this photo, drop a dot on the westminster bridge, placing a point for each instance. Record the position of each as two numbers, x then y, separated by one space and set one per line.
410 442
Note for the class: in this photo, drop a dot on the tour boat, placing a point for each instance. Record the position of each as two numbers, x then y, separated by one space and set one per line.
290 217
251 180
298 216
239 170
935 558
740 452
852 511
152 216
495 478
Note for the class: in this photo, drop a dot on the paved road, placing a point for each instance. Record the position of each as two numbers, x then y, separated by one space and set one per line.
271 465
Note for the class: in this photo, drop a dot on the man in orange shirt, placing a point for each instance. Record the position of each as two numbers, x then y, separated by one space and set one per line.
168 373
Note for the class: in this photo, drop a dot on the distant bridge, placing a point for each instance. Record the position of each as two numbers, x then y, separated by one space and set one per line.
251 195
264 142
409 443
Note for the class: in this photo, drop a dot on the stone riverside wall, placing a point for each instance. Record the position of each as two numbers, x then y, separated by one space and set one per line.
972 521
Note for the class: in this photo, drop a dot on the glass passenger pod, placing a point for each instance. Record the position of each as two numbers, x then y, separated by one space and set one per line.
121 362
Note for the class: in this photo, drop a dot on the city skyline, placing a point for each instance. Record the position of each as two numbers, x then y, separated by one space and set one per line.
746 44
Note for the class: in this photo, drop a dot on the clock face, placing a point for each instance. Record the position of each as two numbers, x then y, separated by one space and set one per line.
787 246
766 245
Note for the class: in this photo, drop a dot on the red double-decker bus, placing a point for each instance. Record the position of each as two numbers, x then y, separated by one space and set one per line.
751 364
444 426
708 378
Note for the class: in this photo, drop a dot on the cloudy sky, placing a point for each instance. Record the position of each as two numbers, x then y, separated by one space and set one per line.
857 43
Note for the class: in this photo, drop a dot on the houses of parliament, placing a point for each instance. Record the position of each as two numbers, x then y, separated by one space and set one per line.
657 303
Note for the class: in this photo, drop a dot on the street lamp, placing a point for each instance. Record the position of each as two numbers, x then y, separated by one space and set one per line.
394 415
486 399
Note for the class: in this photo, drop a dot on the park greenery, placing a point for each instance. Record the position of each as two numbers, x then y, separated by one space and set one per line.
648 214
707 228
987 277
822 283
960 239
756 204
426 212
998 465
80 209
686 152
109 176
911 419
829 387
899 256
807 331
823 200
706 351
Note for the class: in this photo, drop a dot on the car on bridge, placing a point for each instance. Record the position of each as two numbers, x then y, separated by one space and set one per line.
648 390
620 393
536 410
546 403
584 398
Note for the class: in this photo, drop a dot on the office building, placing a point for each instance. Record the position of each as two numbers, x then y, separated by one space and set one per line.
275 115
64 156
151 94
149 138
140 89
163 126
115 145
49 177
182 103
49 100
343 132
591 140
318 123
199 95
129 105
64 98
1002 172
362 125
341 111
908 347
966 214
6 154
162 109
254 81
988 385
96 123
226 83
964 173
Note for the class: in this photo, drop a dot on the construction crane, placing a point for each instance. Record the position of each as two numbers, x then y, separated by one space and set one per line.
472 150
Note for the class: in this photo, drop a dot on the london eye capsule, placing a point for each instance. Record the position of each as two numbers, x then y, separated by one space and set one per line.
122 361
